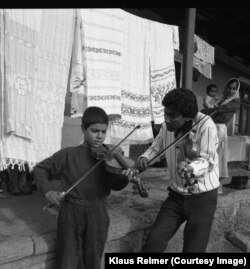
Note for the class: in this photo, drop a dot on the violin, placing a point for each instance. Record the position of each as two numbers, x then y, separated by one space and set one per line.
100 154
115 162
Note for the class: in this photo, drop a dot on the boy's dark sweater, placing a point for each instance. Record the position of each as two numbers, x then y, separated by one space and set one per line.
67 165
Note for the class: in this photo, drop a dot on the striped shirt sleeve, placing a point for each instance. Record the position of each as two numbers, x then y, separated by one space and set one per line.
207 146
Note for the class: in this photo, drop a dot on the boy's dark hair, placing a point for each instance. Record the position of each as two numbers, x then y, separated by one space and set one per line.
94 114
181 100
210 86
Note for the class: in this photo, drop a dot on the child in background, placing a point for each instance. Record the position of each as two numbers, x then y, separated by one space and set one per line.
83 220
211 100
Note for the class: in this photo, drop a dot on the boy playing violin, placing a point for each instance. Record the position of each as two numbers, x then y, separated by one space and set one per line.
193 168
83 219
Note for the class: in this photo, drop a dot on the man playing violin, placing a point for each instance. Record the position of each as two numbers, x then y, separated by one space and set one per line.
83 219
194 174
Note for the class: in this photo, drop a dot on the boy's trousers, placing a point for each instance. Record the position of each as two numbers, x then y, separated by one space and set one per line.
82 234
198 212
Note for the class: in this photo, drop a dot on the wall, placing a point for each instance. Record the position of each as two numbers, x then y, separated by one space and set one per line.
71 132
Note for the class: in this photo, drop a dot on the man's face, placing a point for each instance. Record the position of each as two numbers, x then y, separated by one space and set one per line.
174 120
95 134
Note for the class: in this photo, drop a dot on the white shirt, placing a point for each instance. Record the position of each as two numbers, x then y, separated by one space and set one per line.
199 147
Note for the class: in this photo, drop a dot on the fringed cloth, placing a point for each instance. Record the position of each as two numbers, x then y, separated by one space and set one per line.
38 45
162 68
135 102
148 74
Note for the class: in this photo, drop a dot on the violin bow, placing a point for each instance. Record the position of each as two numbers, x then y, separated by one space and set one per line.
81 178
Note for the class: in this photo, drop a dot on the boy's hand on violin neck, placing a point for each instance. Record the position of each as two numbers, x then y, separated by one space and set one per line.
54 197
132 176
130 173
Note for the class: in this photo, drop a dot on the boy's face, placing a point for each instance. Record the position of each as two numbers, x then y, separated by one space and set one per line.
174 120
213 91
95 134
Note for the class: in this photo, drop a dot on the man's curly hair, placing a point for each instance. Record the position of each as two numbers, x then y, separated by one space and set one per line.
182 101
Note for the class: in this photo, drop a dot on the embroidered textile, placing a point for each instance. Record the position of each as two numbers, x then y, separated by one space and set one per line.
162 68
20 46
104 35
203 57
40 50
204 51
135 97
204 68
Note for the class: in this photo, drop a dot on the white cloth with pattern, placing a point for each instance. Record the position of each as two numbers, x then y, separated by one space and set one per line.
103 38
162 67
38 46
205 51
203 57
135 102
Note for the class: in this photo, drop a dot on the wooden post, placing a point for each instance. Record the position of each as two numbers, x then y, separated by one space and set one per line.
187 68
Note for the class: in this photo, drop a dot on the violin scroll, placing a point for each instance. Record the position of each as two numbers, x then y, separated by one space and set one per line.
138 186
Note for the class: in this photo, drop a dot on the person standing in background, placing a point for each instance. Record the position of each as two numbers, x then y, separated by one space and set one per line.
228 105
